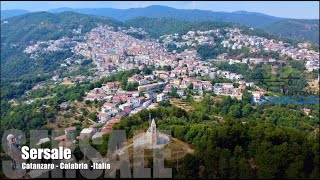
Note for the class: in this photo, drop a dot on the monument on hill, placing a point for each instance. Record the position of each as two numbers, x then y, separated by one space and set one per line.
151 139
152 134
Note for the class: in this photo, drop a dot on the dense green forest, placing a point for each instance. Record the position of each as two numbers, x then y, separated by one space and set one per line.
18 64
258 144
251 141
20 73
295 29
262 76
137 35
47 26
157 27
36 115
210 52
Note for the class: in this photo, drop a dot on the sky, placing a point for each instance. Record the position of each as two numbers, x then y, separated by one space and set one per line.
293 9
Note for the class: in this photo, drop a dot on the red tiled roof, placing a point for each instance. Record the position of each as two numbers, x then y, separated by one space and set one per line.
61 138
116 98
71 128
127 110
108 104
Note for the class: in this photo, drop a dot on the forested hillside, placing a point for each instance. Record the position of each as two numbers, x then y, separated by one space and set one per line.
307 30
12 12
289 28
157 27
19 72
48 26
252 142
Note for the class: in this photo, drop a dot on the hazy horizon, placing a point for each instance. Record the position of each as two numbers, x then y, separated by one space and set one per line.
294 9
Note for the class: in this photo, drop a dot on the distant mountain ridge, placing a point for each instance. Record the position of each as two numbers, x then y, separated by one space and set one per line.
297 29
291 28
13 12
157 11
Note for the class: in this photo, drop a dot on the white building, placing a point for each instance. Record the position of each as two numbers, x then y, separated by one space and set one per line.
87 132
43 140
161 97
98 135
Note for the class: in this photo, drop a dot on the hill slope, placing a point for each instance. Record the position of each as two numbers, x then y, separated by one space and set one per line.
13 12
295 29
156 11
21 31
45 26
159 26
252 19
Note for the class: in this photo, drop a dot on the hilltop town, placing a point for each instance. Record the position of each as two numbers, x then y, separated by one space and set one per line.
178 91
176 73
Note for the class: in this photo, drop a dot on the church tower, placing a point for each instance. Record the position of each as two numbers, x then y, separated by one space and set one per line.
154 134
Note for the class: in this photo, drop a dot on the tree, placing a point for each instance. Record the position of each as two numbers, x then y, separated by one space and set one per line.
84 111
246 110
93 116
244 169
174 92
208 52
80 118
146 70
235 111
299 65
87 102
165 103
132 86
124 83
167 68
95 101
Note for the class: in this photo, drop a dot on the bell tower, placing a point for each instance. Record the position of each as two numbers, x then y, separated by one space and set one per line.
154 135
